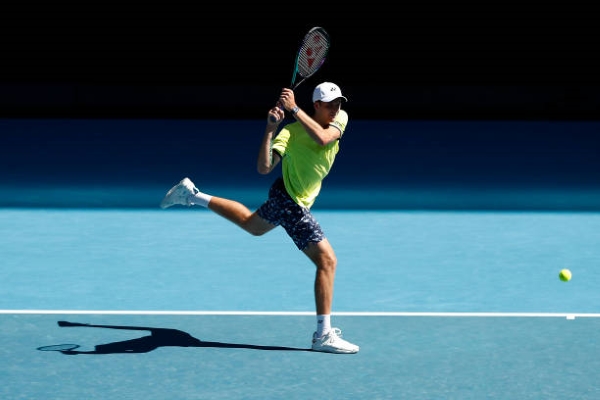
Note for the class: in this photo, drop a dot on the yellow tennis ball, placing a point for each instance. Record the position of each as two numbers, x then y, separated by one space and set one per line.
564 275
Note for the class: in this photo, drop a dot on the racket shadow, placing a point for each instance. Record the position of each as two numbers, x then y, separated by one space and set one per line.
159 337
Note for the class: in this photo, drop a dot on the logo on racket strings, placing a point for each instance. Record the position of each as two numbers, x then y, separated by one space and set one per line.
313 53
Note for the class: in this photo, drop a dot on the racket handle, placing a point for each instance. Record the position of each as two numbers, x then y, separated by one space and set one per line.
67 323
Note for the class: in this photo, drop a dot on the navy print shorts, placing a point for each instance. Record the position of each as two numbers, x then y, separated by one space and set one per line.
298 221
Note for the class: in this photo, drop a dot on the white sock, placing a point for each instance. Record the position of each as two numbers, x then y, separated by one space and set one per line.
323 324
201 199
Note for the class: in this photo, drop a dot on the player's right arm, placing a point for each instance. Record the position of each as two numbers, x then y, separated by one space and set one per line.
323 132
267 158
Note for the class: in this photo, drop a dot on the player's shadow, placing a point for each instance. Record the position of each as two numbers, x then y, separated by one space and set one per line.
159 337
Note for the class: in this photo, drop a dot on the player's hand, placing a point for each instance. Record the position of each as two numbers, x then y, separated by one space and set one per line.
287 100
276 115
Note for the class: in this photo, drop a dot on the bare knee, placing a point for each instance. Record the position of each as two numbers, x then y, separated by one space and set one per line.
240 215
254 231
323 256
255 225
328 262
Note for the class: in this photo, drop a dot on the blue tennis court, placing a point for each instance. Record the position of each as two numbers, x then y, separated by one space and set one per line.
446 302
443 305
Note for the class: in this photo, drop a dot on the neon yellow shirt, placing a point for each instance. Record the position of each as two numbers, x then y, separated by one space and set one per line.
304 162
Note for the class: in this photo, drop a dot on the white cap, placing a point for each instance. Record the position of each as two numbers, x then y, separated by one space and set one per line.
327 92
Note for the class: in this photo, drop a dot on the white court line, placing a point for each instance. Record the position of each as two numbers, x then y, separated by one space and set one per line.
304 313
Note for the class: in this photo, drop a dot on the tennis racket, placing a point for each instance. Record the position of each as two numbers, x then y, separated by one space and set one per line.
311 55
59 347
130 328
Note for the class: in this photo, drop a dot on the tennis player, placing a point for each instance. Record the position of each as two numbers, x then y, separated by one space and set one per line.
306 149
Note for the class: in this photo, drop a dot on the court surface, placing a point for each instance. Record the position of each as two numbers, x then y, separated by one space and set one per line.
445 305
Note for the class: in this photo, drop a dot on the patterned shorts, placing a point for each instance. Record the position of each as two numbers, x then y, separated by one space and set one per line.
298 221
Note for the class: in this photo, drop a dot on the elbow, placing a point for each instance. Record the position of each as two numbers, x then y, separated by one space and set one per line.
323 142
263 169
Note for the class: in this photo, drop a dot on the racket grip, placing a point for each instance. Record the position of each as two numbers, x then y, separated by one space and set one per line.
67 323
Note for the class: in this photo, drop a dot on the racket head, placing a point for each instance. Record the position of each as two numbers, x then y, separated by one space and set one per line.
59 347
311 55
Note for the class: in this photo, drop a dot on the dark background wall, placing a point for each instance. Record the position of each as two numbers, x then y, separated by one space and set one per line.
412 61
389 164
442 99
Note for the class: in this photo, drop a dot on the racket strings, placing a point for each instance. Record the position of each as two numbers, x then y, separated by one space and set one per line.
312 53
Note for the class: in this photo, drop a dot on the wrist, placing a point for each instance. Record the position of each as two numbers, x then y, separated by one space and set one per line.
295 110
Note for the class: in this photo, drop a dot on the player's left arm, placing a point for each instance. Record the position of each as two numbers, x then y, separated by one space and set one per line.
267 159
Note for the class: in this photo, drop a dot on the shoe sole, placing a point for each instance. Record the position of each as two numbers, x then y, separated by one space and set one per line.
338 351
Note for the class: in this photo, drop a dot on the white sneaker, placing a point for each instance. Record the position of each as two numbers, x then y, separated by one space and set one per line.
333 343
179 194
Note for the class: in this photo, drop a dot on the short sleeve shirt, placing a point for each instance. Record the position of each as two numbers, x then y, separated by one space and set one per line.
305 163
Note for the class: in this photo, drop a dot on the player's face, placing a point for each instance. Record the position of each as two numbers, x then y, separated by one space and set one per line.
331 108
334 105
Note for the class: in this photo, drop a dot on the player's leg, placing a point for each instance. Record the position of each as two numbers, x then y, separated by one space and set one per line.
240 215
302 227
326 338
185 193
324 258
